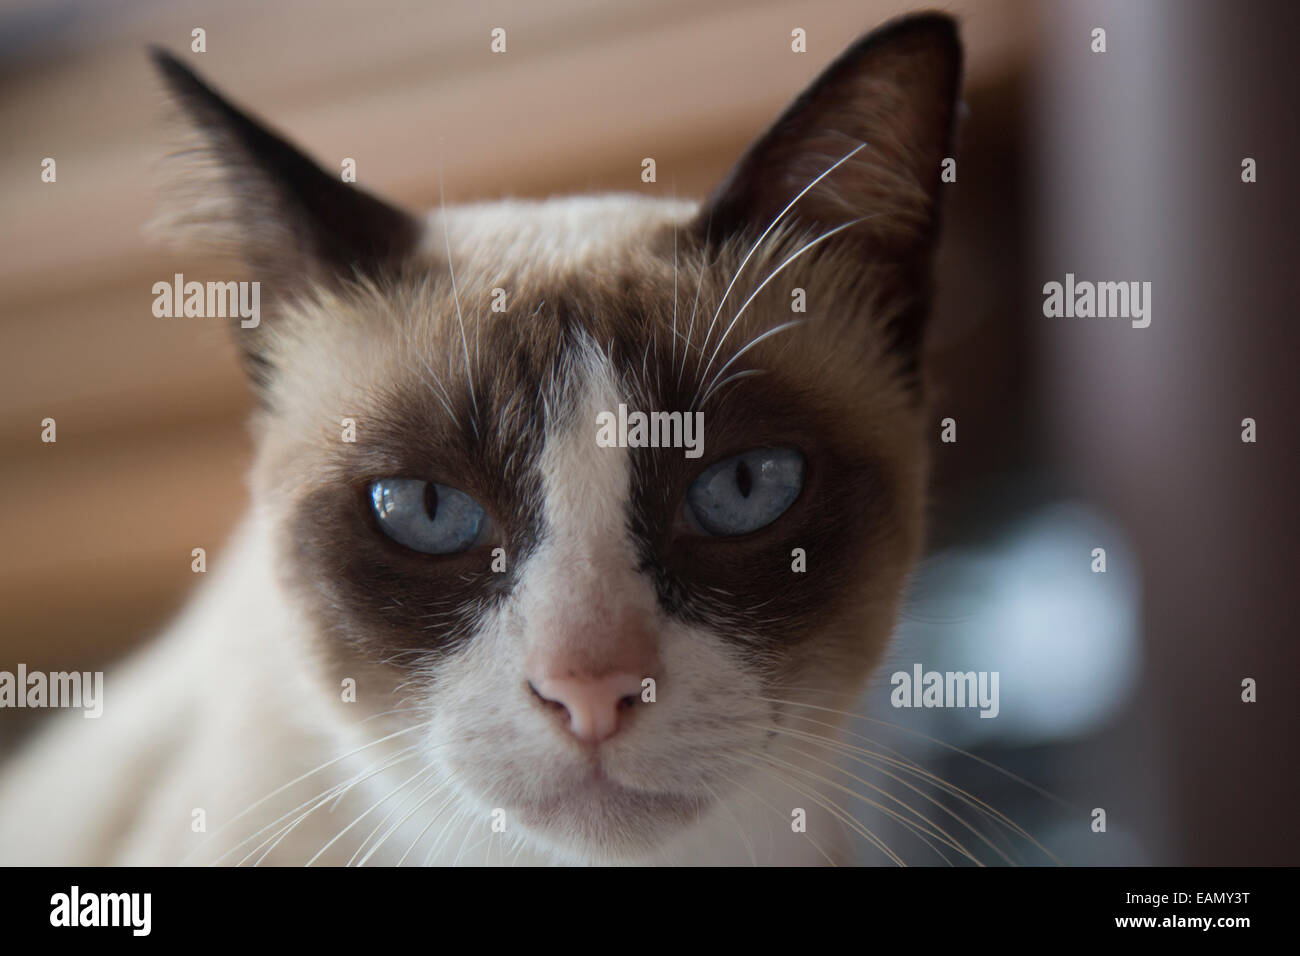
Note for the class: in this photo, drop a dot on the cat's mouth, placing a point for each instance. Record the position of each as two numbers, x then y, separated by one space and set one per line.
616 818
599 793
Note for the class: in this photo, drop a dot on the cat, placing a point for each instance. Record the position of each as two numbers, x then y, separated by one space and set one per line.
457 628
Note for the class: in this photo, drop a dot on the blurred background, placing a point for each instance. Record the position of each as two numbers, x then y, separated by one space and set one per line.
1119 690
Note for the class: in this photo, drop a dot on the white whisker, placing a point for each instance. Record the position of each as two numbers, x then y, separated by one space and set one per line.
704 266
772 225
673 364
469 371
753 342
343 790
749 846
382 800
420 836
276 792
770 276
420 804
388 816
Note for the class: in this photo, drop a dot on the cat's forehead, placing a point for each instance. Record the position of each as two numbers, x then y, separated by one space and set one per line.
513 303
536 241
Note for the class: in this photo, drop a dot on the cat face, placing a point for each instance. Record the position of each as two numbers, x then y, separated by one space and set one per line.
598 637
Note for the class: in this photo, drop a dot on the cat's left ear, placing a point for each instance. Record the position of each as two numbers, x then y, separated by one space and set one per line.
244 189
871 133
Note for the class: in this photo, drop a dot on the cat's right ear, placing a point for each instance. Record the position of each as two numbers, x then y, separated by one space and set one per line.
238 187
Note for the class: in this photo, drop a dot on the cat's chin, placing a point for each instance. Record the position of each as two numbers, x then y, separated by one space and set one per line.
599 821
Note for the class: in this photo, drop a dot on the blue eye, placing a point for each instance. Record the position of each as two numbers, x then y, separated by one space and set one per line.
427 517
747 492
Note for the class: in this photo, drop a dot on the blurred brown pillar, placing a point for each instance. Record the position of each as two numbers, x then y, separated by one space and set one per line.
1140 179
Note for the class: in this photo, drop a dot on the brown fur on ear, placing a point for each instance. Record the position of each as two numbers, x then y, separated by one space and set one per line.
887 104
238 188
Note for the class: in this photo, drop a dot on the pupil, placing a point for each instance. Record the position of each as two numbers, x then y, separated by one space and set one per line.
431 500
744 480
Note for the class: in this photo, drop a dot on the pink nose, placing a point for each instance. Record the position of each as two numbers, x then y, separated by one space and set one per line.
593 706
